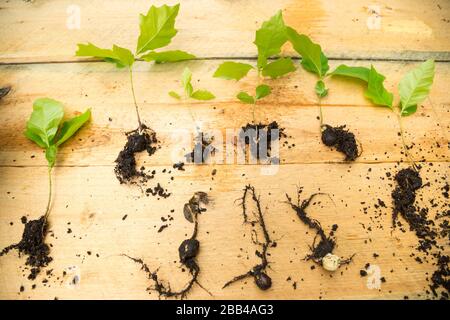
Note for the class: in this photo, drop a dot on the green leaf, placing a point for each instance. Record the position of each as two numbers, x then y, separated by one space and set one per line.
202 95
44 121
245 97
175 95
375 89
313 59
71 126
50 155
168 56
321 89
270 38
120 56
361 73
157 27
278 68
415 87
125 56
262 91
186 81
232 70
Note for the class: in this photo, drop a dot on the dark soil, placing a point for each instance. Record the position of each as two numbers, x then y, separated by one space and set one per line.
409 182
202 149
253 134
188 251
33 245
404 196
327 243
4 91
258 272
158 191
125 169
341 139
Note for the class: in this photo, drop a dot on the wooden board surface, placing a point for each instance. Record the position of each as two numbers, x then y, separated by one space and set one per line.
38 30
88 195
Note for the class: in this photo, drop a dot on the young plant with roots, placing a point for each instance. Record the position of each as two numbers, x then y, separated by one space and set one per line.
269 40
322 252
315 61
413 89
202 141
157 28
188 251
46 129
259 271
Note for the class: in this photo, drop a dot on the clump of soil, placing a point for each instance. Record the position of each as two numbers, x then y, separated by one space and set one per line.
260 132
158 191
125 169
409 182
404 195
343 140
202 149
258 272
33 245
4 91
327 243
441 277
188 251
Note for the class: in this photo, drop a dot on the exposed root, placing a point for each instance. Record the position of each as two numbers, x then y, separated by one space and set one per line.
188 251
327 243
258 272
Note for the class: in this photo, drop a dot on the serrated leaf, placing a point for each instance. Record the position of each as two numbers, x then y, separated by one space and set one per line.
262 91
50 155
175 95
313 59
278 68
44 121
375 89
91 50
270 38
245 97
232 70
157 27
186 81
361 73
415 87
202 95
70 127
321 89
168 56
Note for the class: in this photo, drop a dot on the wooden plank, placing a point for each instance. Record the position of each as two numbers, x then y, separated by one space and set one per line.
293 104
38 31
94 203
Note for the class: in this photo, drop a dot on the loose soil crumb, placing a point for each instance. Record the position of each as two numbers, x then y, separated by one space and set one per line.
253 134
326 244
125 169
33 245
341 139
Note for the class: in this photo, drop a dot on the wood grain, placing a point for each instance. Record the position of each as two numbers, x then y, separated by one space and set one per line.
37 31
292 104
37 60
93 202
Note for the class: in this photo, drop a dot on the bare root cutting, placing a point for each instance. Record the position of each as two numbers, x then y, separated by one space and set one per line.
258 272
327 243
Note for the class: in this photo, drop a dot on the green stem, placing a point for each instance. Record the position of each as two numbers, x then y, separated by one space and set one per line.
135 103
408 155
47 210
